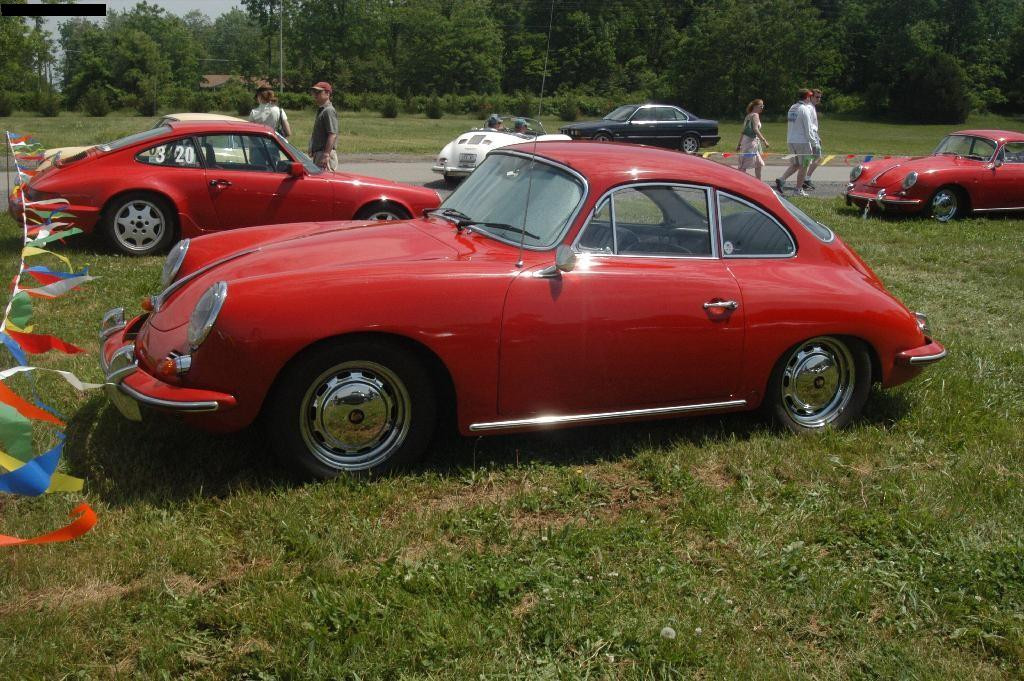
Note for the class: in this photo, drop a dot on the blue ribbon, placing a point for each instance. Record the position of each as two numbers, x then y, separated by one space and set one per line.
33 479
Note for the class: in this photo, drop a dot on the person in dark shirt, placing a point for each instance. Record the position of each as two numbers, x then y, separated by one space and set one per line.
325 128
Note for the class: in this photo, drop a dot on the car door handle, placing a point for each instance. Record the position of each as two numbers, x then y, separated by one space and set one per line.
722 305
220 183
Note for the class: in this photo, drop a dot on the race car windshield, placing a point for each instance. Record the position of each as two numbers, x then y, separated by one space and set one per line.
509 197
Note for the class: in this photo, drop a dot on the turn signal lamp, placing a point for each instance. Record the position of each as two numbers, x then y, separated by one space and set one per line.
147 303
174 365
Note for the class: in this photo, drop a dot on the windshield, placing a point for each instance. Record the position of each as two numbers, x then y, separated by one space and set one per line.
977 148
132 139
494 198
299 156
621 114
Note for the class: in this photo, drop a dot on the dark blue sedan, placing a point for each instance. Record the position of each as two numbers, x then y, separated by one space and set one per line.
659 125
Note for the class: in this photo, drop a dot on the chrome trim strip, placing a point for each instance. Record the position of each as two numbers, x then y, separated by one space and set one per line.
928 359
158 299
888 199
995 210
602 416
168 404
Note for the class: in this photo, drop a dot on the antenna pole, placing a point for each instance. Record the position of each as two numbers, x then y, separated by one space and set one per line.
533 159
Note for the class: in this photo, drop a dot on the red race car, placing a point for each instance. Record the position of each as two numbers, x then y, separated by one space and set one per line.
183 179
562 283
971 170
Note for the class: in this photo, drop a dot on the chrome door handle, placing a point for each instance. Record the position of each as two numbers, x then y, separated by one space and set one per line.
220 183
722 304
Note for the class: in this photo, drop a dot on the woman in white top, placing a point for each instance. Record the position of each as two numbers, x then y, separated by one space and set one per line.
751 140
269 113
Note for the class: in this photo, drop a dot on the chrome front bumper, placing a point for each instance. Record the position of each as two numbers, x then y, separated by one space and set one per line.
123 364
880 199
454 171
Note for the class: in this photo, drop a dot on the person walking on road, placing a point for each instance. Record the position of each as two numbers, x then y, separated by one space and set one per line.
751 139
815 141
798 137
325 129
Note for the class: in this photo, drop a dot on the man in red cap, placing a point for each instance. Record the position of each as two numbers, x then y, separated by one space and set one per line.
325 128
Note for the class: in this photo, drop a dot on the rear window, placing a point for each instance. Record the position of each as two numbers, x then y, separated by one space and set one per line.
813 226
134 139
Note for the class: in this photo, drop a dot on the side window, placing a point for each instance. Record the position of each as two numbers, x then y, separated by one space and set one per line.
239 152
1013 152
982 148
750 232
176 154
652 220
644 115
668 114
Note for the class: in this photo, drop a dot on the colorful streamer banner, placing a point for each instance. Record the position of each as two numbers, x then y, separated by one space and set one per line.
44 222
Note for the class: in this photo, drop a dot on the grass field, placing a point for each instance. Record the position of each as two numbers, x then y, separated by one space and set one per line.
366 132
893 549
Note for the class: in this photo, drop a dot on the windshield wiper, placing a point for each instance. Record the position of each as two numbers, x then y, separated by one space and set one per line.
457 217
511 228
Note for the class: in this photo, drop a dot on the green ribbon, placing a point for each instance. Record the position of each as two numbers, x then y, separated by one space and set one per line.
21 310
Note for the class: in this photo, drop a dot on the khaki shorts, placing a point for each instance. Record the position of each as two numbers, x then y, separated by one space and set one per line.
803 153
332 159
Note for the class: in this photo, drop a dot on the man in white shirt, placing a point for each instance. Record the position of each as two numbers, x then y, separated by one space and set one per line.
815 141
799 137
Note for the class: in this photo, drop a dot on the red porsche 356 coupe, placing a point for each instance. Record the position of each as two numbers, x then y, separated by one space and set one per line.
563 283
183 179
971 170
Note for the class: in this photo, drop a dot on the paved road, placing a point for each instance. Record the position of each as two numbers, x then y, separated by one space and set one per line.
830 180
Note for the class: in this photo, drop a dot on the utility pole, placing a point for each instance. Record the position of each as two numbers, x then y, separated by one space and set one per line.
280 56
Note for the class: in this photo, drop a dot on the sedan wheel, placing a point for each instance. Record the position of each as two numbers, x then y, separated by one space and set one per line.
821 382
945 204
690 144
352 408
602 137
139 224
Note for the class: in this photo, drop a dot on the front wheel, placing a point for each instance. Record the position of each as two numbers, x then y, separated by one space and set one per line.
819 383
946 204
602 137
690 144
139 224
382 211
352 407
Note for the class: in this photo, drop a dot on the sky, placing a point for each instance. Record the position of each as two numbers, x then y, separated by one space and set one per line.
211 8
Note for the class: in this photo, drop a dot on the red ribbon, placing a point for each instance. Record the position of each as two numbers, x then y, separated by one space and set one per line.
38 343
85 521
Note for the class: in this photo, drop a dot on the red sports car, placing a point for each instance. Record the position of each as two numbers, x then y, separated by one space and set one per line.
971 170
563 283
183 179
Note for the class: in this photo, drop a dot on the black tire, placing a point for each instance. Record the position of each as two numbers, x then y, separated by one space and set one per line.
451 181
820 383
380 210
947 203
140 223
357 407
689 144
602 137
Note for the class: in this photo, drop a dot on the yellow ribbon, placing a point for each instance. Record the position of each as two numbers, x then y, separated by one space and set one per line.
29 251
15 327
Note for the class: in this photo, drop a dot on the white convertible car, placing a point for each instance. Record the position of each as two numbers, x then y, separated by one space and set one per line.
459 157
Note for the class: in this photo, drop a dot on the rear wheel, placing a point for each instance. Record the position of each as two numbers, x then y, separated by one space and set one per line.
352 407
947 203
602 137
819 383
139 224
382 211
690 144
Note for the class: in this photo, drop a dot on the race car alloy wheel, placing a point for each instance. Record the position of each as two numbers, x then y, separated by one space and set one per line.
140 224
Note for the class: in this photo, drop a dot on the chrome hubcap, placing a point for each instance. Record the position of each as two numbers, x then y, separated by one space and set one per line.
944 206
139 225
384 215
355 415
818 382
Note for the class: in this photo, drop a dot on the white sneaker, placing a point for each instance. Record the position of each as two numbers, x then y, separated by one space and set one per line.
801 192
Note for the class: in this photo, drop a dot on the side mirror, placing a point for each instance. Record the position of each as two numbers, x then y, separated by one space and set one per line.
296 169
565 261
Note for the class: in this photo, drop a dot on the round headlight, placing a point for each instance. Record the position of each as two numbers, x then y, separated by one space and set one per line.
205 313
855 173
173 263
910 180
